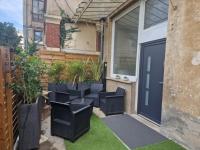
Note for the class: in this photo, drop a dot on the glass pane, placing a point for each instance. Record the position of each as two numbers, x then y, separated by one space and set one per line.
41 7
38 36
35 6
35 17
147 80
125 43
146 98
149 64
156 11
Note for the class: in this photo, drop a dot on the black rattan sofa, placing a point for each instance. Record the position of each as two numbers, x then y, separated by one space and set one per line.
95 89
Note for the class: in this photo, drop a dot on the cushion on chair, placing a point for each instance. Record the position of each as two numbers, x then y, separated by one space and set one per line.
83 85
92 95
71 86
73 97
120 91
96 87
103 100
60 87
51 87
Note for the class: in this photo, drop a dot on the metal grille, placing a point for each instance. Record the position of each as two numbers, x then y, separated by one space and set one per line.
96 9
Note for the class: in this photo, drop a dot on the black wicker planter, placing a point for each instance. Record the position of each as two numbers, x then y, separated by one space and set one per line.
29 125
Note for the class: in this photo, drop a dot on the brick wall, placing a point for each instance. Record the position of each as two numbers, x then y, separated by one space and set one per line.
52 35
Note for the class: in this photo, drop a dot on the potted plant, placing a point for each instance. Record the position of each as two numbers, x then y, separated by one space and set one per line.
27 86
56 75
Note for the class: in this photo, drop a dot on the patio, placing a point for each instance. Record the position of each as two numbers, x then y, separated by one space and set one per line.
109 75
107 125
105 135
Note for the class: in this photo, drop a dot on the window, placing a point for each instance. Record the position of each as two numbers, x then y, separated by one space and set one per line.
37 36
156 11
129 32
38 10
125 44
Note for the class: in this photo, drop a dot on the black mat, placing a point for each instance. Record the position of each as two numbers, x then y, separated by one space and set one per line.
133 133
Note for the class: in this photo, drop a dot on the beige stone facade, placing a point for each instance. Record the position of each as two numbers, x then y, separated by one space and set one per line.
181 98
29 24
83 41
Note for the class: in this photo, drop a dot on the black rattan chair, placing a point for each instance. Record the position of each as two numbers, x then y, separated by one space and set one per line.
95 89
70 121
112 102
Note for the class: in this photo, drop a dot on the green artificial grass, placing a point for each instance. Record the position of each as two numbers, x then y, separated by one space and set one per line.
165 145
99 137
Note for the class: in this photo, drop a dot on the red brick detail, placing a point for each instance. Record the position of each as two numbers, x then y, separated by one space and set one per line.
53 35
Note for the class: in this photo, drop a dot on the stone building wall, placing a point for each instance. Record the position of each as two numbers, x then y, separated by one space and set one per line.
181 96
84 39
181 92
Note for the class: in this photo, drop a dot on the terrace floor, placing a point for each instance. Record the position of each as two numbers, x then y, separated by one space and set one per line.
120 132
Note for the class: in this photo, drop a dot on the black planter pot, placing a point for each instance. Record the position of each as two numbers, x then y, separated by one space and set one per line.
30 125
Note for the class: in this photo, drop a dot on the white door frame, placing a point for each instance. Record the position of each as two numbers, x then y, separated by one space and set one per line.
152 33
156 32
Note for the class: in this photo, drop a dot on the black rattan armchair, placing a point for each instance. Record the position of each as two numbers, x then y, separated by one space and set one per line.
70 121
112 102
95 89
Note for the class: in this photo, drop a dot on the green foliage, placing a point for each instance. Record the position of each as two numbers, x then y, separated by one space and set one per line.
96 68
164 145
75 71
66 34
8 35
32 48
29 69
56 72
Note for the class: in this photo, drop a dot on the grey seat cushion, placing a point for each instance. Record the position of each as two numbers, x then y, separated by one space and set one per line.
120 91
73 97
71 86
96 87
103 100
92 95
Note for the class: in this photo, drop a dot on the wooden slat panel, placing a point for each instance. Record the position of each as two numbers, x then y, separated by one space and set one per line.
6 101
49 57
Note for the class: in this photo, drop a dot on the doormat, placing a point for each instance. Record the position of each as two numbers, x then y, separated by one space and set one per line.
132 132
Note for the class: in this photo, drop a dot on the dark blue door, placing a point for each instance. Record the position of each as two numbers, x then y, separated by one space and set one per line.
151 79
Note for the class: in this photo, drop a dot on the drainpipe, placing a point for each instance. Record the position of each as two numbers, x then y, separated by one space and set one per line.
102 24
25 23
102 39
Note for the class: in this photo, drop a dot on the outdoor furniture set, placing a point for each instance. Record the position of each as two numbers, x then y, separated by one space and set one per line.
72 106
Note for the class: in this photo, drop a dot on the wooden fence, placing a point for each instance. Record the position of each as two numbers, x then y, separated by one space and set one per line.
8 101
51 56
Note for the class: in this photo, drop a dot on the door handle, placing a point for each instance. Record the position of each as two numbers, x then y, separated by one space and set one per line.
161 82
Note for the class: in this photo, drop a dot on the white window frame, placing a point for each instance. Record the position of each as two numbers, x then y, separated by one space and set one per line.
113 75
158 31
